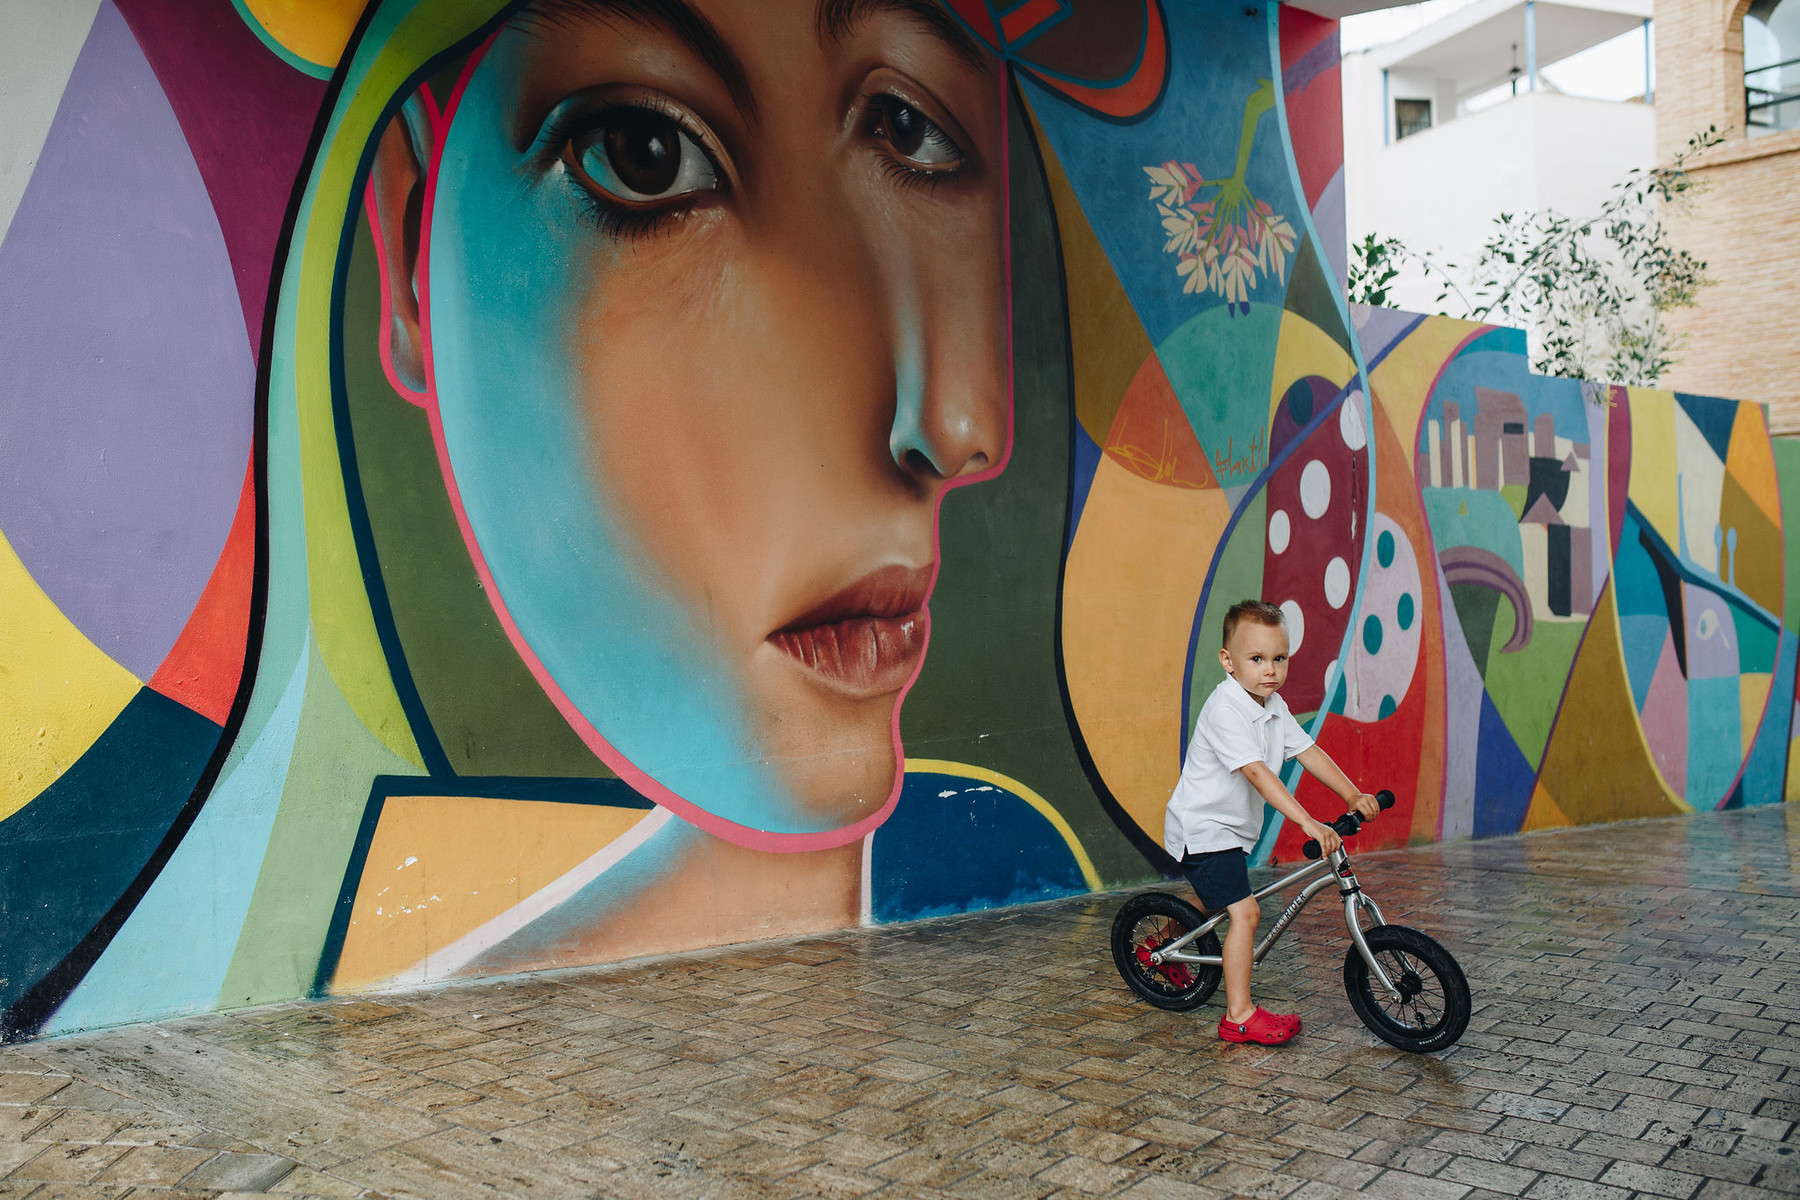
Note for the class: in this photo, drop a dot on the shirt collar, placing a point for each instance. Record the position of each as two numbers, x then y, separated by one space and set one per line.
1241 697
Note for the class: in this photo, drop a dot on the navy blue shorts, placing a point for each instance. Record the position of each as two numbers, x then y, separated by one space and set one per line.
1219 877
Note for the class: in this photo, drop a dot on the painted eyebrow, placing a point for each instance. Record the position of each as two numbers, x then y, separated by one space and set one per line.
837 19
674 17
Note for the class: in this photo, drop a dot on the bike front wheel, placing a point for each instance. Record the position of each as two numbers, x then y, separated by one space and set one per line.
1144 925
1432 1010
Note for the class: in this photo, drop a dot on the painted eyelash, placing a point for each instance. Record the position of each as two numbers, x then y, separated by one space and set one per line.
627 225
896 167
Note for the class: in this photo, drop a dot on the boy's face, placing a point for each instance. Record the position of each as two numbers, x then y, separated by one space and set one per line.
1257 657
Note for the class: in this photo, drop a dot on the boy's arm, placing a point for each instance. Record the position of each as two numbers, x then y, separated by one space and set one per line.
1318 764
1275 792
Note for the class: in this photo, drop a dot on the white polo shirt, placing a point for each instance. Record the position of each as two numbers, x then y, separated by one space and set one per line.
1214 807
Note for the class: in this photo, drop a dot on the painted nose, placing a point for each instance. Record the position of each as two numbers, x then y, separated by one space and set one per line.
950 419
951 404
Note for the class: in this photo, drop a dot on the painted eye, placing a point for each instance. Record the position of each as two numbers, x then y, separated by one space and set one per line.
641 156
913 136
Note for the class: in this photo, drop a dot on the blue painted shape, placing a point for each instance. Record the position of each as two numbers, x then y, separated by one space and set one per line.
956 844
1765 774
1219 55
68 856
1715 740
1085 463
172 954
1643 638
1637 584
1503 776
1712 417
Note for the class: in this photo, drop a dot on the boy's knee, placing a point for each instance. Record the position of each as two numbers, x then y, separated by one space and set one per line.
1245 912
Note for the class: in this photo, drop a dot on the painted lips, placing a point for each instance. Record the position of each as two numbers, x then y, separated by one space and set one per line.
866 639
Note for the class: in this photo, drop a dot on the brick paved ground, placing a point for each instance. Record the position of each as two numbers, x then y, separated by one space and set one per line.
1637 993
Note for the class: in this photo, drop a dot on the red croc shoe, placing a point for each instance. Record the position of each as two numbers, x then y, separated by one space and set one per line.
1264 1028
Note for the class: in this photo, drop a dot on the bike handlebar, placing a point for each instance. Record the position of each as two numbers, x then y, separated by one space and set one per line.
1348 824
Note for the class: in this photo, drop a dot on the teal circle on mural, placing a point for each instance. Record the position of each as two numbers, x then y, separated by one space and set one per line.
1384 551
1387 708
1403 612
1372 635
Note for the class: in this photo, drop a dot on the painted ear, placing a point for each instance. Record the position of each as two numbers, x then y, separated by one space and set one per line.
397 208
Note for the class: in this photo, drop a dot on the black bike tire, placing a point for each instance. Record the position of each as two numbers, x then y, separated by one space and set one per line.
1154 986
1427 1035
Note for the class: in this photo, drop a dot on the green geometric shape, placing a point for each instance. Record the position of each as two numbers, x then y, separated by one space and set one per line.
1237 575
1219 364
1403 612
1475 610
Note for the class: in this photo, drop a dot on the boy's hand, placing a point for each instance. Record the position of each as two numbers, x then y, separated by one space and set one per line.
1325 835
1365 806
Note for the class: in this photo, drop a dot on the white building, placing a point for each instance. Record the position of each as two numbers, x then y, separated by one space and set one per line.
1455 123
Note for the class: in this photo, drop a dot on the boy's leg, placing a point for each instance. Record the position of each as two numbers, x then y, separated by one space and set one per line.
1240 946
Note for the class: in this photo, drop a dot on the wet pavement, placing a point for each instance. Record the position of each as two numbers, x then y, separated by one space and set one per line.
1637 999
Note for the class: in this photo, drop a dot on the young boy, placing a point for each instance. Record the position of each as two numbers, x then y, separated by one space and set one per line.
1244 733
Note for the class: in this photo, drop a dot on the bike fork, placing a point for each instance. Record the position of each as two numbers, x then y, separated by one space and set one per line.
1354 900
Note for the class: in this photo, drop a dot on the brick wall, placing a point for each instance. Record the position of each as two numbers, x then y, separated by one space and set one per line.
1744 339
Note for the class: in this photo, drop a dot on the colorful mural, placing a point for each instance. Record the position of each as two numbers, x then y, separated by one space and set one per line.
601 477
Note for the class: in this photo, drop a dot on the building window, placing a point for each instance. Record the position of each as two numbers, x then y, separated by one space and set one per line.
1772 66
1414 116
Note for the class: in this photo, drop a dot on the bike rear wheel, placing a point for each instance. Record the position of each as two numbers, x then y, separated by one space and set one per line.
1432 1010
1145 924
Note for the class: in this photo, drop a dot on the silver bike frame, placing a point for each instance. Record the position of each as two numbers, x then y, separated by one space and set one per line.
1316 877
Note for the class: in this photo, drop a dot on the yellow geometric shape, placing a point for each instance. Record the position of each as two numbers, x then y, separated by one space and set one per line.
1404 379
1653 463
1751 458
440 867
939 766
1753 696
1304 349
1791 790
1598 766
58 691
314 30
1134 576
1543 813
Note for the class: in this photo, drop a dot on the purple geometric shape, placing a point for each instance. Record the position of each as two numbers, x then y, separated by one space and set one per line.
1712 641
126 381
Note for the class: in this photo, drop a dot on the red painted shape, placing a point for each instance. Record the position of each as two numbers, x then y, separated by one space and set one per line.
247 117
975 13
1027 17
1316 126
1297 573
1315 111
1374 755
207 660
1131 98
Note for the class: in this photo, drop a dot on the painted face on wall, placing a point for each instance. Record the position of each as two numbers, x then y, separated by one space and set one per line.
714 312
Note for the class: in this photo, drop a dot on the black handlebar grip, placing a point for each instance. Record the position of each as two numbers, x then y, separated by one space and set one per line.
1384 799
